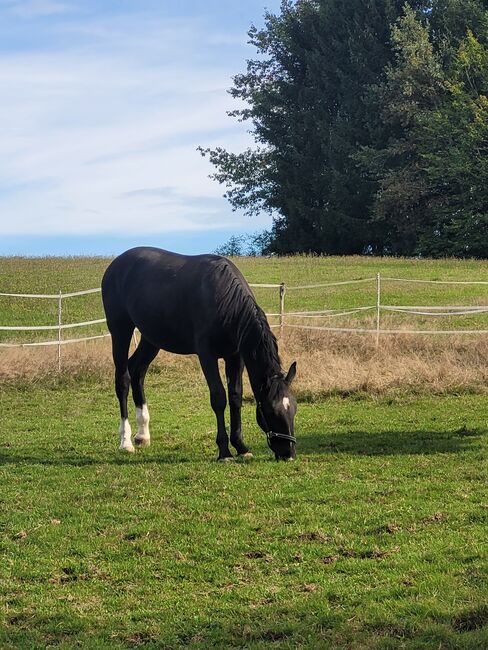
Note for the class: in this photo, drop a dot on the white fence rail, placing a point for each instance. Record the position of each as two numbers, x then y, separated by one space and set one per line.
284 316
59 327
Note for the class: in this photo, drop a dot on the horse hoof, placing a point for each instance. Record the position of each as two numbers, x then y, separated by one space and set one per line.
228 459
247 456
142 442
130 450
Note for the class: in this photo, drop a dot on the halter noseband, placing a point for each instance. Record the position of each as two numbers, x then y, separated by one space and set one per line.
273 434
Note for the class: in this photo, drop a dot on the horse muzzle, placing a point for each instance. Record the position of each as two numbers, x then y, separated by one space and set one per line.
288 452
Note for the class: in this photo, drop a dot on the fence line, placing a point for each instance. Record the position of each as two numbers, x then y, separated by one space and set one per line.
51 295
59 326
467 312
327 313
435 281
49 343
422 310
30 295
374 331
437 307
391 308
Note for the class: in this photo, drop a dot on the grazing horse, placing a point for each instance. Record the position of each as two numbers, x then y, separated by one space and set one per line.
200 305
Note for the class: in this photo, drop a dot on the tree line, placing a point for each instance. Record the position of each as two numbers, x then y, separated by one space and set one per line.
370 122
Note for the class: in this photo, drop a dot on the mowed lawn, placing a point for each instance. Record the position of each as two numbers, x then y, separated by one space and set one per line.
374 538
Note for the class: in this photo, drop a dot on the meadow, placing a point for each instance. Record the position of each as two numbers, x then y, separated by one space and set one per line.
374 538
332 363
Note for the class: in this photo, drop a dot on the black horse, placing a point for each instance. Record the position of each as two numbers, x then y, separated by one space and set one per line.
196 305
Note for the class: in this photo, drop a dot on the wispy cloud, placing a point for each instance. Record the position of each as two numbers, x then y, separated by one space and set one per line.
102 120
35 8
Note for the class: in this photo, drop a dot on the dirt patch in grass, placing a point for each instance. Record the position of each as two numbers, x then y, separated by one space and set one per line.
315 536
435 518
473 619
329 559
369 554
273 635
258 555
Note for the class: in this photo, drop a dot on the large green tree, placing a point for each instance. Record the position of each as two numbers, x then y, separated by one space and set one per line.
454 150
414 86
305 98
432 196
336 100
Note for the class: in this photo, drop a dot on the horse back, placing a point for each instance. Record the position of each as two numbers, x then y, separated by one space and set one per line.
174 300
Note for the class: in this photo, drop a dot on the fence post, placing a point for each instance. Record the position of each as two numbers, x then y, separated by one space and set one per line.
282 307
378 308
60 307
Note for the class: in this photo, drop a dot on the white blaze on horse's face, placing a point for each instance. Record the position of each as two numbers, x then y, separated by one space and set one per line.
286 403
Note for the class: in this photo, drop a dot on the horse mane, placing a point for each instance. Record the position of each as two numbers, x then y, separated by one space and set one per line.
239 310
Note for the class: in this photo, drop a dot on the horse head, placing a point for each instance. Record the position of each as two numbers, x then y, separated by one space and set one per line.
275 414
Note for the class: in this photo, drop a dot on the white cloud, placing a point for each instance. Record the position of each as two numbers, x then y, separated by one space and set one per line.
101 136
35 8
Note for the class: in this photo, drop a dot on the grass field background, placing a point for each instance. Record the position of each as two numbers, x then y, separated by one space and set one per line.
51 275
328 363
374 538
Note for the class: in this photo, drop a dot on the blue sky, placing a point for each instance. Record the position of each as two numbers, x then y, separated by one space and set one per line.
103 106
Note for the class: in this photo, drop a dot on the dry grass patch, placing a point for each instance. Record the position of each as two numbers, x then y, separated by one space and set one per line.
39 364
328 363
332 363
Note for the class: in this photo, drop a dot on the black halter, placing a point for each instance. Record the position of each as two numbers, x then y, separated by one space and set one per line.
273 434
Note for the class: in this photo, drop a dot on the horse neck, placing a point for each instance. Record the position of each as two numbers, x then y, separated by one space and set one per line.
261 363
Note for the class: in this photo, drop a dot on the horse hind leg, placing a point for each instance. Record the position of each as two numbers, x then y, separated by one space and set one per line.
138 365
121 337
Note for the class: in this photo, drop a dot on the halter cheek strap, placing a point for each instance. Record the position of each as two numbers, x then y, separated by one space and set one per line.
273 434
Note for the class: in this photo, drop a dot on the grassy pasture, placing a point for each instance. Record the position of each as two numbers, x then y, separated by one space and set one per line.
374 538
51 275
330 363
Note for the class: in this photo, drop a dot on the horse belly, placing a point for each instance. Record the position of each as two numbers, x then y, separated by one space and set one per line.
168 338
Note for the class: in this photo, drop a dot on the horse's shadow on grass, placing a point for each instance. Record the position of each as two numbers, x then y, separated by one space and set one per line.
74 460
389 443
356 443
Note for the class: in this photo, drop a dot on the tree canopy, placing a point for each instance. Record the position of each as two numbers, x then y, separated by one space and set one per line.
370 123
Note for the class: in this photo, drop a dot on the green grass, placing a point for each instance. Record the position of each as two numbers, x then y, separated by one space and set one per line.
51 275
374 538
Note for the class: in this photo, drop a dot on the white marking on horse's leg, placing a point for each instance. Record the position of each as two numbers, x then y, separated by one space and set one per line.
143 437
125 433
286 403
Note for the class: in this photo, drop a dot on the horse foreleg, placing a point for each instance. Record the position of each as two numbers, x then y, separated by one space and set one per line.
218 401
234 367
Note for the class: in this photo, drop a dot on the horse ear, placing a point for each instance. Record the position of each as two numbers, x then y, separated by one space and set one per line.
291 373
